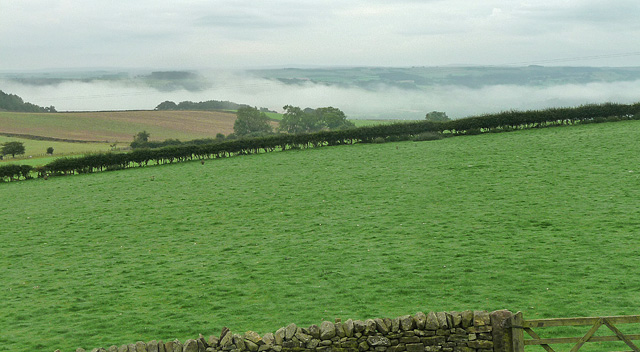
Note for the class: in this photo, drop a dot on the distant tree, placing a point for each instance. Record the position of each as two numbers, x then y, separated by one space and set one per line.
142 136
12 148
220 136
437 116
167 105
250 120
50 150
334 118
12 102
140 140
296 120
292 120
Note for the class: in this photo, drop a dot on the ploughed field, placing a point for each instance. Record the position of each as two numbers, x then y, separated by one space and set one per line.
119 126
543 221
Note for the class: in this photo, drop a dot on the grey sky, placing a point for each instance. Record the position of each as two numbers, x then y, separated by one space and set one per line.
40 34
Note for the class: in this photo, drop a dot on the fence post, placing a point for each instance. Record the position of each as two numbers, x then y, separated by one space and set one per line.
501 331
517 332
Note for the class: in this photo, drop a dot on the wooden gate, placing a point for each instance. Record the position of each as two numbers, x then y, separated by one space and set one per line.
519 326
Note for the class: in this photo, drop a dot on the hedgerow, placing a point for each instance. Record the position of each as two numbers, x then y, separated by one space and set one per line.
504 121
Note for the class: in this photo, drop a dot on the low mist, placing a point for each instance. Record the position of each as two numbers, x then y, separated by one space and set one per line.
381 102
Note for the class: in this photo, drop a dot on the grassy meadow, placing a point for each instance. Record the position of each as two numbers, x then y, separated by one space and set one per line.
38 148
542 221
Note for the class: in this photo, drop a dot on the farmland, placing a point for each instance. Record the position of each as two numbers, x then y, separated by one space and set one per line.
542 221
105 128
38 148
119 126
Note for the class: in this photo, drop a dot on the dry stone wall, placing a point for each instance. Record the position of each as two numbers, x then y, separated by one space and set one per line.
468 331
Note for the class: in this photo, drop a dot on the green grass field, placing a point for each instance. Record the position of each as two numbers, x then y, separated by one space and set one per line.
543 221
37 149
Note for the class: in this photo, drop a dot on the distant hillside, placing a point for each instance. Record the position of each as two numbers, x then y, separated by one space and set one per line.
472 77
12 102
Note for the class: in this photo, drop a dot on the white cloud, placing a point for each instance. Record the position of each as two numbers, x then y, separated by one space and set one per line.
198 33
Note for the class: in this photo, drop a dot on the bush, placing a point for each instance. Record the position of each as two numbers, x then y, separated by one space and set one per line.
379 140
427 136
12 172
473 132
399 138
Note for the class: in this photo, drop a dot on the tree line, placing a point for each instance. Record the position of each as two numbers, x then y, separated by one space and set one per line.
253 122
201 106
500 122
12 102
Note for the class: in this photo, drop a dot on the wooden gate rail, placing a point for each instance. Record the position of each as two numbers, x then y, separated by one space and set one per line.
519 326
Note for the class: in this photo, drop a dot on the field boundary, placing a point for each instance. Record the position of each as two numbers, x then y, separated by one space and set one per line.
418 131
519 326
469 331
43 138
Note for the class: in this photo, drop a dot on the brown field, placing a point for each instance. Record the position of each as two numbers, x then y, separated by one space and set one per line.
119 126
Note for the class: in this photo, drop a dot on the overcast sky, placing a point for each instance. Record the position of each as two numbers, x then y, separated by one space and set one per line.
196 34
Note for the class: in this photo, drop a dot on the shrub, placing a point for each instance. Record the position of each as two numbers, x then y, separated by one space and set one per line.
378 140
427 136
399 138
12 172
473 131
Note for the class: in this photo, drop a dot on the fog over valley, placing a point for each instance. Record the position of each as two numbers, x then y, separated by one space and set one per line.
372 59
373 99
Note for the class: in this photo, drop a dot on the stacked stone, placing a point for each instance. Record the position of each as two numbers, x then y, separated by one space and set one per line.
468 331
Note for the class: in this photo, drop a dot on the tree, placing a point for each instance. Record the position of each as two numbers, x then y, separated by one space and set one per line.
50 150
167 105
251 120
12 102
296 120
142 137
12 148
140 140
291 120
334 118
437 116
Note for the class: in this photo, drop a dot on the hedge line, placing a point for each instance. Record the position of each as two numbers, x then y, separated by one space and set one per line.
503 121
